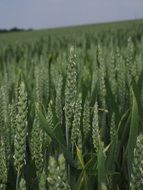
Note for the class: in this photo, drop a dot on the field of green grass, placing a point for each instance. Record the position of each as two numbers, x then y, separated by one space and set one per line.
30 36
71 107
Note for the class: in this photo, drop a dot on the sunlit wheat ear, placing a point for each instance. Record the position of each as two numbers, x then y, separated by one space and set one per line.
5 127
58 105
79 141
22 184
137 166
36 145
112 127
12 109
121 80
21 129
102 87
50 115
95 128
70 91
112 74
50 123
1 115
142 95
3 167
52 174
38 84
57 175
42 181
76 121
62 174
130 59
46 83
130 54
86 119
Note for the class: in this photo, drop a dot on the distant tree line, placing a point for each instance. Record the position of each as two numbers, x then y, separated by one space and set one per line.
14 29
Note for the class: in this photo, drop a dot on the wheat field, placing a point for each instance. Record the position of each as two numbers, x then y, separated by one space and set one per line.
71 107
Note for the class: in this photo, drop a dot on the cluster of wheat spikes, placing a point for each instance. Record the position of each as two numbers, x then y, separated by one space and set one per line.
71 116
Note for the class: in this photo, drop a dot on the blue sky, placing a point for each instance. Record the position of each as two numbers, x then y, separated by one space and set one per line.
56 13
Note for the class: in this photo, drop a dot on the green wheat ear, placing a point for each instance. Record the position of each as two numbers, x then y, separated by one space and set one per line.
63 179
50 115
95 128
76 122
70 91
79 142
42 182
112 74
38 84
12 122
21 129
102 72
4 122
137 166
86 119
130 54
58 105
57 176
36 145
22 184
102 88
3 167
112 127
52 174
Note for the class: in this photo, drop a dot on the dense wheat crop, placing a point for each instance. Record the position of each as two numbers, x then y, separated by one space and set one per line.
71 108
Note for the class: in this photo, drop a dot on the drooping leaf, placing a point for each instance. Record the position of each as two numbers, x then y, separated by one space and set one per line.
56 135
110 163
134 126
80 157
101 168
